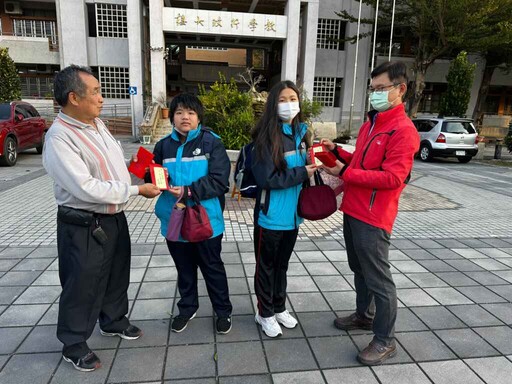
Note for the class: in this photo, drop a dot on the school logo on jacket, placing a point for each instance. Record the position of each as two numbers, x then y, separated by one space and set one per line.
197 151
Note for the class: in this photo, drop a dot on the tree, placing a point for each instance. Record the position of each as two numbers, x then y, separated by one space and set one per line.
493 41
10 85
460 80
438 28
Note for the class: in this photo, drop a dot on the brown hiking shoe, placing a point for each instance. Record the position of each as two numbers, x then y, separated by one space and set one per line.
353 322
375 353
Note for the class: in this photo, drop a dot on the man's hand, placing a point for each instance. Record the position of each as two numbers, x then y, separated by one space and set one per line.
135 159
149 190
311 168
328 144
335 171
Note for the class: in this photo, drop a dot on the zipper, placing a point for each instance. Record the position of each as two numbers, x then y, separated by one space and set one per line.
369 143
372 198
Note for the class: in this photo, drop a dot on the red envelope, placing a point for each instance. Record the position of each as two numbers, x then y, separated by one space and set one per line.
322 156
159 176
144 158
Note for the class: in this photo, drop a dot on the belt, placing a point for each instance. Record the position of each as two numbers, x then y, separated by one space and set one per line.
79 216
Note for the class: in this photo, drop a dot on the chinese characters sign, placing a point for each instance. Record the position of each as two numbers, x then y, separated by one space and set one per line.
224 23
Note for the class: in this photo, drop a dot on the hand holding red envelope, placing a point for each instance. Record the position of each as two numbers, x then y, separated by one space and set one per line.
144 159
322 156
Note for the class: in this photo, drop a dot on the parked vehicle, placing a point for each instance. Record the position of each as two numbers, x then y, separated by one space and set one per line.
21 127
447 137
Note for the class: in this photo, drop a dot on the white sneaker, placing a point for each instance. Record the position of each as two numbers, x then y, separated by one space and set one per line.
286 320
269 325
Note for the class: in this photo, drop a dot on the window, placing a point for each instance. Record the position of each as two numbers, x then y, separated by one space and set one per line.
424 125
327 91
458 127
329 34
111 21
35 28
114 82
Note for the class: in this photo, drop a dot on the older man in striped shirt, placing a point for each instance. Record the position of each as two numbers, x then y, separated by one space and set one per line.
92 186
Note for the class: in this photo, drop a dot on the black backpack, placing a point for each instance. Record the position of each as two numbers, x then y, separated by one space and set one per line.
244 179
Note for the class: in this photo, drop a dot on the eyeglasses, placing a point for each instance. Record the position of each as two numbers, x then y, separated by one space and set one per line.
382 89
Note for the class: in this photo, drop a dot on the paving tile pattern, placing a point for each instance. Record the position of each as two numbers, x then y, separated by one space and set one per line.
451 328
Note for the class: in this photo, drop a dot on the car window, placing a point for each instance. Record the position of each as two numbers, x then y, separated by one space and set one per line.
20 110
424 125
5 111
33 111
458 127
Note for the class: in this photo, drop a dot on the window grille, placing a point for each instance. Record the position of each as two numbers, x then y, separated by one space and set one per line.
114 82
328 34
206 48
324 90
111 20
36 28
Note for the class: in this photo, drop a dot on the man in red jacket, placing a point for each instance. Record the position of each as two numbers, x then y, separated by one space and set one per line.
374 177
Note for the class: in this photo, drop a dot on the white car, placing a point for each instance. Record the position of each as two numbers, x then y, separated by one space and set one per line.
447 137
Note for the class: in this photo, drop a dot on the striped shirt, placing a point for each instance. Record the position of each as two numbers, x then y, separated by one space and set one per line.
87 166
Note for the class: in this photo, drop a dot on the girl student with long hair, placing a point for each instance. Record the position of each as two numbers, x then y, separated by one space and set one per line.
279 168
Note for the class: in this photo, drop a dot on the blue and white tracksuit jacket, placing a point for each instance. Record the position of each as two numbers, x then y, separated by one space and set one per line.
278 195
205 170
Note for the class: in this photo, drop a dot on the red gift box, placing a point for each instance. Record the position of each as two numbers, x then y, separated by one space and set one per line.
144 159
322 155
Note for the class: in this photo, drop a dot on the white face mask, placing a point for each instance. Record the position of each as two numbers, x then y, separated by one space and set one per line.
287 111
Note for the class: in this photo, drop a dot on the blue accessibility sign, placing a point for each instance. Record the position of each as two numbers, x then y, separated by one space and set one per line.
132 90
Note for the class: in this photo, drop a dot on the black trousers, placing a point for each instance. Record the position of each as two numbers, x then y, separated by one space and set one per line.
273 251
94 281
205 255
368 257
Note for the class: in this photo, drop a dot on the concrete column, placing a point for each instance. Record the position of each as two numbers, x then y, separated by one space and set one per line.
308 47
73 33
291 44
136 56
157 47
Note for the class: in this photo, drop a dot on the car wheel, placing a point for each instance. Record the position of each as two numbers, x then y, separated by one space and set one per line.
39 148
464 159
10 152
425 152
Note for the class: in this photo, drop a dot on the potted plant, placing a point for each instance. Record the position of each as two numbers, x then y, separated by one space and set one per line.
343 138
145 134
162 101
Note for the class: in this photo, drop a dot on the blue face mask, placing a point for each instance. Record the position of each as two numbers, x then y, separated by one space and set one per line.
379 101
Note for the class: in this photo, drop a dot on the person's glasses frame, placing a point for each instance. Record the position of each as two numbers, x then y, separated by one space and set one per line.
382 89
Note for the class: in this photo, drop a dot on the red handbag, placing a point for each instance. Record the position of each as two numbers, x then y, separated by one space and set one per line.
196 225
316 202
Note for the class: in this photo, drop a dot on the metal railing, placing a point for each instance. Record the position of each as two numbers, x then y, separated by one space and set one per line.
117 117
35 28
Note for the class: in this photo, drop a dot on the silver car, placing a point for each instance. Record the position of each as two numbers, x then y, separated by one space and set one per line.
447 137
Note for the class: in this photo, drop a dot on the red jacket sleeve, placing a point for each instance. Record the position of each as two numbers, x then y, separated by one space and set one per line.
396 166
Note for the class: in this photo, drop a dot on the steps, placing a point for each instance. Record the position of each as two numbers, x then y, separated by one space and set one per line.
162 129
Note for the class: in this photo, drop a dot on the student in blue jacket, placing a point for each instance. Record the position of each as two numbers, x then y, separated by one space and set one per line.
279 169
195 157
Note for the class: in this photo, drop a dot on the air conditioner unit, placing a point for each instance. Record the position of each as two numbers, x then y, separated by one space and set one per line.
13 8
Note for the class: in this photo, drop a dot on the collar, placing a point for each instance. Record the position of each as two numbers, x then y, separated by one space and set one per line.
76 123
175 135
288 129
398 110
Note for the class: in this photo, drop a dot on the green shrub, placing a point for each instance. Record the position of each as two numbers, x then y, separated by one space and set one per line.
228 112
508 142
10 85
460 79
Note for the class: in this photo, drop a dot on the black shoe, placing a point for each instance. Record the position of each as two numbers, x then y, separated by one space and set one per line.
130 333
223 325
86 363
353 321
179 323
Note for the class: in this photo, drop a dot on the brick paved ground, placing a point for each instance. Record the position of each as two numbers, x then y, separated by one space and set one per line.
451 259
